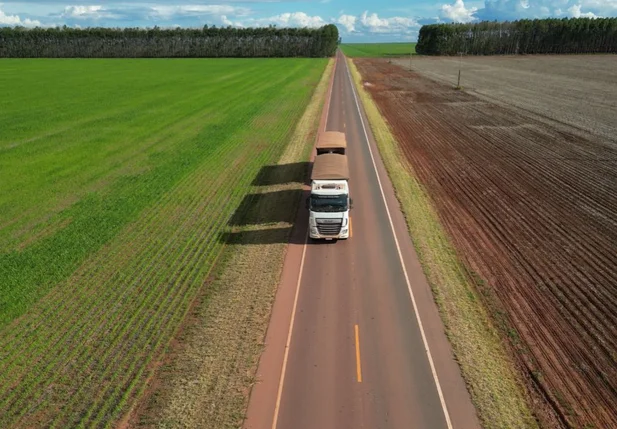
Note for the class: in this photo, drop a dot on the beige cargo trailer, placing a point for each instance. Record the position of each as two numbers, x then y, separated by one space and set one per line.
331 142
330 166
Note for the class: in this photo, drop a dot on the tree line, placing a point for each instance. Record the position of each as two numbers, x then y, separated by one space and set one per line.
66 42
538 36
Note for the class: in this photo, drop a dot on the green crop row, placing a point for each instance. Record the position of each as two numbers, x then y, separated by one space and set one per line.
144 230
375 50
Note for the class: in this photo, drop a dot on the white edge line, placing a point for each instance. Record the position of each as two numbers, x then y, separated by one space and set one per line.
287 344
293 311
400 255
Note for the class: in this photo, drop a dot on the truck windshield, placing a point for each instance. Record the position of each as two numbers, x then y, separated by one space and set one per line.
329 203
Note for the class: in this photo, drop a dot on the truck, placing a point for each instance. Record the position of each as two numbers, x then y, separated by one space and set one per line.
331 142
329 202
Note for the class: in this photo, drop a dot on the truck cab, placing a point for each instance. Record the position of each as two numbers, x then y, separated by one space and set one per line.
329 206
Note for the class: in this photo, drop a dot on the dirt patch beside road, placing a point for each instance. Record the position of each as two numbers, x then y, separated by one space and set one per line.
530 205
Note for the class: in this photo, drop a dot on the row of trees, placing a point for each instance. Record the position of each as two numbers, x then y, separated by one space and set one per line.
538 36
65 42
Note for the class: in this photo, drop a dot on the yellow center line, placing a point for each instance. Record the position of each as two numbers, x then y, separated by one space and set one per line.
358 362
350 228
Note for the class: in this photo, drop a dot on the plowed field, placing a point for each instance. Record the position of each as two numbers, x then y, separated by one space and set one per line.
531 206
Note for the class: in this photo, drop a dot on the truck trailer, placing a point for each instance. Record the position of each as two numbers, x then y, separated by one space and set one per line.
331 142
329 202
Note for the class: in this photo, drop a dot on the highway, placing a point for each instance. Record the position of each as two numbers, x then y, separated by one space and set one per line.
355 339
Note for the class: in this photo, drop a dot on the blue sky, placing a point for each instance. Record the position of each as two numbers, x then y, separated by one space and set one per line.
357 20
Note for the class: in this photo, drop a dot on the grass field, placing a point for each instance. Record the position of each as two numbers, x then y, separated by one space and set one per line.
117 181
374 50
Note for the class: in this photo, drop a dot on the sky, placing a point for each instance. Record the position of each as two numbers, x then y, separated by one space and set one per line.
359 21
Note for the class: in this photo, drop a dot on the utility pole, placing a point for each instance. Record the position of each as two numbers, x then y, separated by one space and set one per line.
458 84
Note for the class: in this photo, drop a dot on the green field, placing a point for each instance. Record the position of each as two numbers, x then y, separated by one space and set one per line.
117 180
378 49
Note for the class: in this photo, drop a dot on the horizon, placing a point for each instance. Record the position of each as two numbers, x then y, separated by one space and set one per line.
358 22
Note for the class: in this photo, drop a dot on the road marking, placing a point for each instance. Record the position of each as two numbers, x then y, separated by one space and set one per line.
350 228
358 361
400 255
293 310
291 326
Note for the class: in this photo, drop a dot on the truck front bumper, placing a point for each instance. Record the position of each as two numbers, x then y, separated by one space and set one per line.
315 235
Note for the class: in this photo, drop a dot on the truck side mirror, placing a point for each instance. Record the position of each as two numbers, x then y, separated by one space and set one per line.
350 203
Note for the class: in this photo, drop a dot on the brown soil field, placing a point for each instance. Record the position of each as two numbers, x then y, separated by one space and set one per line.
529 199
579 90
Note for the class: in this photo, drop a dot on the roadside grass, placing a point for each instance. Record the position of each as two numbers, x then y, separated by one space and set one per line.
496 390
141 246
207 380
375 50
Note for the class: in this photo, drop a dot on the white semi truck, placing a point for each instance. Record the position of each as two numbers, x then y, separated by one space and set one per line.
329 203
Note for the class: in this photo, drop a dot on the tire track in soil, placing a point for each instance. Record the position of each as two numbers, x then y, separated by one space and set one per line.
532 209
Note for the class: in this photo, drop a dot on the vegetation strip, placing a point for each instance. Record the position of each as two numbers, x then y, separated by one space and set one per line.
374 50
493 383
525 36
68 42
80 355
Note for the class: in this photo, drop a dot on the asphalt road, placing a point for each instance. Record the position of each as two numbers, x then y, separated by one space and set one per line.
356 355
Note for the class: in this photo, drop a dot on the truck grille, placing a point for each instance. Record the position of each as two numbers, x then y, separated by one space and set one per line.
329 227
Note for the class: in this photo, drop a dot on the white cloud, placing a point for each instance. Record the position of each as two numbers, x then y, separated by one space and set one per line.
374 24
606 5
457 12
575 11
347 21
531 9
15 20
86 12
226 21
197 10
293 19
